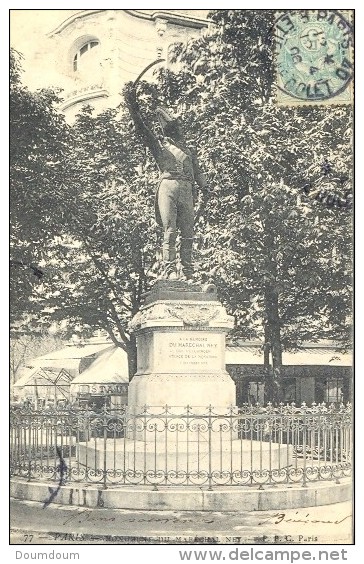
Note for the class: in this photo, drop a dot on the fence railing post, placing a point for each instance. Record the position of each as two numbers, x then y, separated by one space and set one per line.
104 424
29 449
304 445
210 449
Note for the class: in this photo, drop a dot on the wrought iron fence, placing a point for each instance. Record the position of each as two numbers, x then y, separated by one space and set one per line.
164 446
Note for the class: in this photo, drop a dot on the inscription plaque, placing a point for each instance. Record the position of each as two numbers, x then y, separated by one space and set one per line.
185 352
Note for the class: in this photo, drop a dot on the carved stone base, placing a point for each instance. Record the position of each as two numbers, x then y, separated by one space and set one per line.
181 389
187 463
180 332
180 290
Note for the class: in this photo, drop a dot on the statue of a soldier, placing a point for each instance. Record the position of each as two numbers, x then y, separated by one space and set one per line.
179 170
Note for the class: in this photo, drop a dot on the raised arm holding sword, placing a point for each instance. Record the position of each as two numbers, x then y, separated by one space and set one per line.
179 170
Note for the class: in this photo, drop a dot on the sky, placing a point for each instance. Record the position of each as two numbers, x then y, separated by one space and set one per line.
27 25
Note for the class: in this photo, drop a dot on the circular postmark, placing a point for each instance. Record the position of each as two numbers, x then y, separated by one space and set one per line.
330 187
313 54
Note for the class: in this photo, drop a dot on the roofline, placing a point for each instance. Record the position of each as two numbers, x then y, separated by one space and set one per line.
71 19
175 17
323 344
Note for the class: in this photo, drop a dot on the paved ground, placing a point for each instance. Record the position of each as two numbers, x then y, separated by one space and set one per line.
57 524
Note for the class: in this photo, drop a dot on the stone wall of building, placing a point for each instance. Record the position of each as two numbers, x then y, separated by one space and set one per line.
91 54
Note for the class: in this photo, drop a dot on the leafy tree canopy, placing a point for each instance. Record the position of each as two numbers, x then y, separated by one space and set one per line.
281 260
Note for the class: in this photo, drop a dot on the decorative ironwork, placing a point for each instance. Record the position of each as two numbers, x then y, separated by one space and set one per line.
191 446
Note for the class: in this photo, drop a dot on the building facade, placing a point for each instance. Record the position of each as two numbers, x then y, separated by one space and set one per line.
315 373
91 54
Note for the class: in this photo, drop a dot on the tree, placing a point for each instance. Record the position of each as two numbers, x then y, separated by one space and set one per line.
281 260
83 233
99 256
38 151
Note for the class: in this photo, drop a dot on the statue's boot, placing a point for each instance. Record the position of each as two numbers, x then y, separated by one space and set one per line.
186 258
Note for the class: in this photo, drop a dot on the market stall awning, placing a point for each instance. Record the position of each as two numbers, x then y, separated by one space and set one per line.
308 356
26 378
69 357
317 357
43 377
110 367
244 355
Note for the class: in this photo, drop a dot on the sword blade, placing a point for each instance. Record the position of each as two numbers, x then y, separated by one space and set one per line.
156 62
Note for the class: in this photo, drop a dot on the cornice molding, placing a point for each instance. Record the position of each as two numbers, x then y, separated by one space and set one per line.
172 17
71 19
84 97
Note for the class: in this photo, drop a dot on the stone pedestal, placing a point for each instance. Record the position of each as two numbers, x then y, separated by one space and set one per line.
180 333
182 463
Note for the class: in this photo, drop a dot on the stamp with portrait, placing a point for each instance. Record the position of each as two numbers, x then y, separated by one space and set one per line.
314 57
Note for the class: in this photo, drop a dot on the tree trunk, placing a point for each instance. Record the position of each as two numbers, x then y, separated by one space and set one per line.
273 332
266 345
132 356
267 366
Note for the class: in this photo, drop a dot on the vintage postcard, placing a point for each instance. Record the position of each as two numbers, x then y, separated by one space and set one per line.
181 363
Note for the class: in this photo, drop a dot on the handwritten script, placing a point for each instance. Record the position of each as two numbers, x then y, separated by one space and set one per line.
86 515
277 518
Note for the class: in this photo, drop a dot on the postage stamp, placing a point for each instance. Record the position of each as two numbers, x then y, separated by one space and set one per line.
314 57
